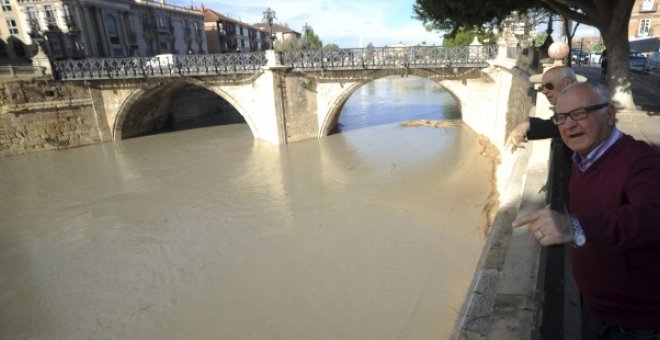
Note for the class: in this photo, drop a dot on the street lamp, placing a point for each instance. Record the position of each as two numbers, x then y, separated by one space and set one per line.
269 16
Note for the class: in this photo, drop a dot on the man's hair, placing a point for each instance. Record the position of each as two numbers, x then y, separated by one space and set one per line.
565 72
601 91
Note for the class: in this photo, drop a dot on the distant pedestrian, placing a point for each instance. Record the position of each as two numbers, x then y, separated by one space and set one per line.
603 64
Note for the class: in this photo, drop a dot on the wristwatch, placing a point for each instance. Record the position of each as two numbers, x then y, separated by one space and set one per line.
579 239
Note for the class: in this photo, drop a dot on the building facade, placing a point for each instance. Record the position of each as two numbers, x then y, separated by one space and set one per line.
280 32
644 20
225 34
15 43
644 27
108 28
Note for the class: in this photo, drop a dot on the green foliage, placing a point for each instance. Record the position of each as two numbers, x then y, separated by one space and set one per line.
330 48
465 37
540 38
599 47
310 39
370 51
453 16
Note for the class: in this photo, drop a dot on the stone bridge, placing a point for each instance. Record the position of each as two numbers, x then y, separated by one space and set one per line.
290 97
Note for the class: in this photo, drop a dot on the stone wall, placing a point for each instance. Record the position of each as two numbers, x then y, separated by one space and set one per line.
299 98
46 115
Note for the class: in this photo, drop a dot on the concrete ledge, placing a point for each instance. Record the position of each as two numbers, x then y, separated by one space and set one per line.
501 303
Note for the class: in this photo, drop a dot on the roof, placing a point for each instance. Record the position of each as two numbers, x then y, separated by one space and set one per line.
213 16
277 28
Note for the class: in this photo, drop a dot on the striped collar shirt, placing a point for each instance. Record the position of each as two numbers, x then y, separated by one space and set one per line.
598 151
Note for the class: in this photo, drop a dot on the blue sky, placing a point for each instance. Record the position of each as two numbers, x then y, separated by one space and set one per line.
347 23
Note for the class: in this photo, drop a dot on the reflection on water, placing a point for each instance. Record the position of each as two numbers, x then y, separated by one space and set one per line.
208 234
396 99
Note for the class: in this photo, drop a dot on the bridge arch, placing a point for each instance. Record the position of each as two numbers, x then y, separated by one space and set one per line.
148 106
330 117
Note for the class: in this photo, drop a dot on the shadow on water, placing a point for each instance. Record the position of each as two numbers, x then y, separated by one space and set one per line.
394 100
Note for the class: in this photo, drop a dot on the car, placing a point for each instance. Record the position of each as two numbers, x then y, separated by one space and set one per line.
637 61
653 62
594 58
579 56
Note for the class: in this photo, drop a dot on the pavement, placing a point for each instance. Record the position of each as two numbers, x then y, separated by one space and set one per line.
643 123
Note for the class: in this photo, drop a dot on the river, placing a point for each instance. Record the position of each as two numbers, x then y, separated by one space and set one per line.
371 233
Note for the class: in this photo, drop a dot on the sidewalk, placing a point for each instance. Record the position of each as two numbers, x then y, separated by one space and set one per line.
644 123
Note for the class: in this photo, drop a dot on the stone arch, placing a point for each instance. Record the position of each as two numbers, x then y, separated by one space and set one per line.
164 88
436 75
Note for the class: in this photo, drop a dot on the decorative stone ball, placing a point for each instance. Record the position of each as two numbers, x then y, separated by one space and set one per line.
558 50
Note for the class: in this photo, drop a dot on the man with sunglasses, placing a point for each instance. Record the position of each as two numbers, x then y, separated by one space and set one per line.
553 81
613 218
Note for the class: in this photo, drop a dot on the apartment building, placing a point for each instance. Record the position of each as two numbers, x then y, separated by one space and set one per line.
225 34
280 32
105 28
644 26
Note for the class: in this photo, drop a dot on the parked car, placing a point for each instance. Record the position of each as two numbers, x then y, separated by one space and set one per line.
637 61
653 61
579 56
594 58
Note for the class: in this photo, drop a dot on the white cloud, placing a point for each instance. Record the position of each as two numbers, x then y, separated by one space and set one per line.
347 23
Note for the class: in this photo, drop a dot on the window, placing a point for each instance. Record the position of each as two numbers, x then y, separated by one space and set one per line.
186 27
68 16
111 29
647 5
33 20
644 27
11 24
162 23
55 45
50 15
6 6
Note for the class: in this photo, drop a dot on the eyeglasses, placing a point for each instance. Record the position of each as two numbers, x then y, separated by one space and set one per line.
577 114
549 86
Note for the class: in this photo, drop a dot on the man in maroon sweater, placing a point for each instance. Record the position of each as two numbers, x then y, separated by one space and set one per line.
613 219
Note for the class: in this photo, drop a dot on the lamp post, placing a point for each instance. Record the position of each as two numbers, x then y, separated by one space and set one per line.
269 16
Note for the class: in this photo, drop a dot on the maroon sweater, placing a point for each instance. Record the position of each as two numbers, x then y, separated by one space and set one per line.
617 201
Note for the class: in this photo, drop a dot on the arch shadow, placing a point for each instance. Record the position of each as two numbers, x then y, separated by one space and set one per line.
146 105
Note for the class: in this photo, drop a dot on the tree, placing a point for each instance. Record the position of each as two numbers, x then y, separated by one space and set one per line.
330 48
611 17
465 37
310 39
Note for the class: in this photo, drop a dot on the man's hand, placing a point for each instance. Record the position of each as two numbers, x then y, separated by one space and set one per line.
547 226
517 136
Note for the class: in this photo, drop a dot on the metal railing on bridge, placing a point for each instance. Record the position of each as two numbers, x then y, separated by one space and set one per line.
390 57
236 63
159 66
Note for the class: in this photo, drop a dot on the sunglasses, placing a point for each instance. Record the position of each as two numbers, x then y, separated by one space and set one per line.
577 114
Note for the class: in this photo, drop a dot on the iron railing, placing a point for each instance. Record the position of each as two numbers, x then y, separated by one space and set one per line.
388 57
163 66
233 63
